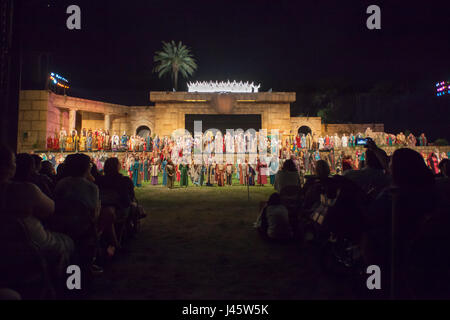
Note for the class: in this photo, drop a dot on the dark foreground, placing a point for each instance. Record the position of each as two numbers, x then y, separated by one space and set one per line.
199 243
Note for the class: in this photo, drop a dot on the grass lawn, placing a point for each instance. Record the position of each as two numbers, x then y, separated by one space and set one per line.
199 243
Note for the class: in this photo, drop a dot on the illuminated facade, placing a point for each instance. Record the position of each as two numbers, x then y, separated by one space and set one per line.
44 114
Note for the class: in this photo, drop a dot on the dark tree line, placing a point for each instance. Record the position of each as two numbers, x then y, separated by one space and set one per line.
400 106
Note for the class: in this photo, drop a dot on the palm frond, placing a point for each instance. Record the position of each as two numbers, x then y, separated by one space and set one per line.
174 57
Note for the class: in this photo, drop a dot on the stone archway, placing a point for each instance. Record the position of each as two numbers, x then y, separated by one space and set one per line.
143 131
304 130
145 125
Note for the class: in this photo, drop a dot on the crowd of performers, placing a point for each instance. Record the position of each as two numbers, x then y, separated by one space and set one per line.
145 168
148 158
97 140
101 140
148 168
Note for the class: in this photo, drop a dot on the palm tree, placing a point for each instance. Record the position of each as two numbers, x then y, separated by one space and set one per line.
172 59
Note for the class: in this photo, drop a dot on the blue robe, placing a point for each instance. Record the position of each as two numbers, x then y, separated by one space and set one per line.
251 177
89 143
273 169
163 167
146 170
201 178
124 141
135 168
148 141
317 155
303 142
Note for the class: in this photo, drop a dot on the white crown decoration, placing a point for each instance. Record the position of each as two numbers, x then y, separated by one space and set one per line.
214 86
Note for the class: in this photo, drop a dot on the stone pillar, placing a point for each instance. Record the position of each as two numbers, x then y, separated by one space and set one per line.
107 121
72 119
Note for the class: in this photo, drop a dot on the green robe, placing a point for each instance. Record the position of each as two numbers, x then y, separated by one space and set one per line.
184 175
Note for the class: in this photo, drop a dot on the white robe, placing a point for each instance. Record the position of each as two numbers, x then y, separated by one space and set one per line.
344 141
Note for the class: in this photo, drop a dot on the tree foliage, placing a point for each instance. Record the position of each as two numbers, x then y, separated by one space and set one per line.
174 59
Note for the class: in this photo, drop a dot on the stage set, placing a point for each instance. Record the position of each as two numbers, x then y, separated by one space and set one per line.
46 116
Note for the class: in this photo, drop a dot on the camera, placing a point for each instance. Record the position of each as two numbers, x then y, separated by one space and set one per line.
361 142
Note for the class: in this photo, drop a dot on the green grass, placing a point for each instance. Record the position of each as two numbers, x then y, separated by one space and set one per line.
199 243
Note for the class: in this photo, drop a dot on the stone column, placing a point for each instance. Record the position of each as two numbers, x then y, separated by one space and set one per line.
107 121
72 119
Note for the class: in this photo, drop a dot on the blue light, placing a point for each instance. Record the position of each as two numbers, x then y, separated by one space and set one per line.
54 81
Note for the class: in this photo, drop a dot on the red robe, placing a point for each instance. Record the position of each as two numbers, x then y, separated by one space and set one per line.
433 164
178 174
262 178
298 141
241 175
56 143
49 143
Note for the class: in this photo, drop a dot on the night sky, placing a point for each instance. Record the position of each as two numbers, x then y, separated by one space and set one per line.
280 44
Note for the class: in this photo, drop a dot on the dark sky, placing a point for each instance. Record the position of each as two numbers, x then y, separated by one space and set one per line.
280 44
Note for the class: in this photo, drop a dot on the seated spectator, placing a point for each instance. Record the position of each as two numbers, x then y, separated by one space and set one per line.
48 170
95 173
25 201
414 199
47 184
287 176
314 184
432 162
444 168
273 222
443 184
77 206
8 295
26 172
60 172
115 189
347 164
372 176
335 203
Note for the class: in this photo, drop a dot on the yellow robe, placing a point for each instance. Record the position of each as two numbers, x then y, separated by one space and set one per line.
69 143
83 143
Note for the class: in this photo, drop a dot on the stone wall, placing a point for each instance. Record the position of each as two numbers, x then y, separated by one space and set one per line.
314 123
56 119
141 116
332 128
171 107
91 120
43 114
32 127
